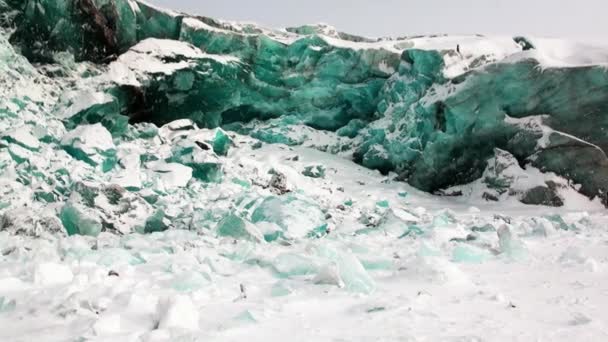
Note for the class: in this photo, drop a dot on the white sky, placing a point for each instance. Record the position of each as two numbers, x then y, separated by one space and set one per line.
583 20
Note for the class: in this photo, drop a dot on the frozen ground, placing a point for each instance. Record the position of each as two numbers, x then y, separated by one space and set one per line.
546 282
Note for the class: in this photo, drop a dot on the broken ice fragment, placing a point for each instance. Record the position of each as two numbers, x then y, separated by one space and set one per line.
78 220
329 275
19 154
92 144
291 264
176 128
377 263
280 289
383 204
172 175
246 317
23 137
354 275
559 223
444 219
241 182
314 171
318 232
238 228
205 164
295 216
156 222
190 281
221 142
7 305
412 231
469 254
349 270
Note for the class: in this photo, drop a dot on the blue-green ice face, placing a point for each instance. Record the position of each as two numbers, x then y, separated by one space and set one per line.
393 105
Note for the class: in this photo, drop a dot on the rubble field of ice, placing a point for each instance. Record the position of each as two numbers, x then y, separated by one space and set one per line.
370 259
115 230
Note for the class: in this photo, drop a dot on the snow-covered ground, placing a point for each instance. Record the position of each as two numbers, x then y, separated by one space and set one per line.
425 268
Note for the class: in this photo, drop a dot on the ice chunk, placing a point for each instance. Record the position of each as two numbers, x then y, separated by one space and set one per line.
23 137
314 171
157 222
177 312
509 244
190 281
80 220
444 219
177 128
92 144
295 216
280 289
383 204
243 183
246 317
117 209
221 142
349 269
377 263
7 305
172 175
329 275
238 228
291 264
353 274
197 155
469 254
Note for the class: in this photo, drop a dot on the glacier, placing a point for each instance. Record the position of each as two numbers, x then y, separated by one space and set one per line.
167 176
406 104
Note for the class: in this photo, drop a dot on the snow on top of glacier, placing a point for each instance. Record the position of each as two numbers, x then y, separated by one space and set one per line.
560 53
144 58
281 36
167 47
473 48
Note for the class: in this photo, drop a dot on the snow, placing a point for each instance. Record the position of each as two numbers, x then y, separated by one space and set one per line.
177 312
337 42
554 53
47 274
549 52
281 36
89 138
147 58
172 175
82 100
535 124
199 25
